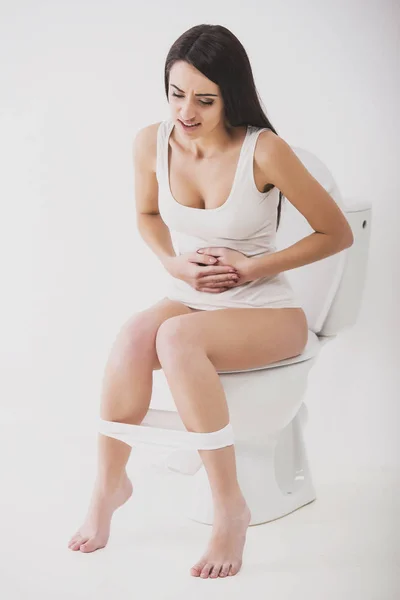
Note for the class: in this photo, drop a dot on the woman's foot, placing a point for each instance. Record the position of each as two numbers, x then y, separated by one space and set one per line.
95 531
225 550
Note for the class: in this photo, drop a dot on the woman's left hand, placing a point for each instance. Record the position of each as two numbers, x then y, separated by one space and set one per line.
231 258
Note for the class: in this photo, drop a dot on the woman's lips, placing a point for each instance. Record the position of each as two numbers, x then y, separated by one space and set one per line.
188 126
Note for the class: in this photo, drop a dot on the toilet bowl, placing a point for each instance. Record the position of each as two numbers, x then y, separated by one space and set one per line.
266 404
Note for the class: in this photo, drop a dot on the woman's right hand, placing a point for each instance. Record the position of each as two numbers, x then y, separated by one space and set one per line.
202 272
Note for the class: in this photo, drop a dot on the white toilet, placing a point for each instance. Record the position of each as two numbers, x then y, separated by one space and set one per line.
266 407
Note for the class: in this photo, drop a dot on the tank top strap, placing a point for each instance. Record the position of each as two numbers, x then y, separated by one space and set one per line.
246 164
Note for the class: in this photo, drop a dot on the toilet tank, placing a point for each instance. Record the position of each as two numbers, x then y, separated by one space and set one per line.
329 290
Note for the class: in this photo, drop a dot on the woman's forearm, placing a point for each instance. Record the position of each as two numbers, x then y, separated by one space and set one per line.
156 235
309 249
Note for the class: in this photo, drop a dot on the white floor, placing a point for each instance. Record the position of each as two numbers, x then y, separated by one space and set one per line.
342 546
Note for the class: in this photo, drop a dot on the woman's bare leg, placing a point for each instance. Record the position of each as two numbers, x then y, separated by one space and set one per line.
126 395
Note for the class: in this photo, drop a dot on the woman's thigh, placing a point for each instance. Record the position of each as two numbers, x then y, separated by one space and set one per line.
140 331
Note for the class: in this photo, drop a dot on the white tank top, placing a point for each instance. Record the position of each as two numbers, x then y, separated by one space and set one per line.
245 222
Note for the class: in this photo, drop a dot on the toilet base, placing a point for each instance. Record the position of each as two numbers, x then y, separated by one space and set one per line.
274 477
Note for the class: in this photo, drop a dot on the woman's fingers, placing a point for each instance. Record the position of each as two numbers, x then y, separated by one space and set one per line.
218 285
227 278
219 281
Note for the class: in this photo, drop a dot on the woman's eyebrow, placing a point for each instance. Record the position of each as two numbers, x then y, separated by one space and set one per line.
175 86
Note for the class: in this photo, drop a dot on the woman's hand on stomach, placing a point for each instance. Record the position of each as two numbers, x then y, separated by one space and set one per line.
202 272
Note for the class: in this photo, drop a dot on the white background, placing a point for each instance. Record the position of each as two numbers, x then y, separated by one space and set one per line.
78 80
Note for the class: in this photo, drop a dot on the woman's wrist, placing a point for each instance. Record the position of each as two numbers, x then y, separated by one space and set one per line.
257 267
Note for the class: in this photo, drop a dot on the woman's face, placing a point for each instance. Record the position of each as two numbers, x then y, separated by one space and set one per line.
194 99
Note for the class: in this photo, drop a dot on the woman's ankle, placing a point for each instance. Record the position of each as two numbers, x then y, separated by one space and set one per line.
108 482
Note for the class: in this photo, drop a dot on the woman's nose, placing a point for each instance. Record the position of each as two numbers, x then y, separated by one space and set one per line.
187 111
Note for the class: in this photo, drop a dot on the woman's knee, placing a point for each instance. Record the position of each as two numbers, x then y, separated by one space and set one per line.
136 338
140 334
173 335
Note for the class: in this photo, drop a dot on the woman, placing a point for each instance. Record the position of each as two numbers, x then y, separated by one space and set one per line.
213 176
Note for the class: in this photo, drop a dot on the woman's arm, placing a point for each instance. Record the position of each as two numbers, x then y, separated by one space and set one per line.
332 232
149 222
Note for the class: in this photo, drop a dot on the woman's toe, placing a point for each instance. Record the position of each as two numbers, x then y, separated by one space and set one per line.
214 573
72 541
75 545
225 570
205 572
86 544
235 568
197 568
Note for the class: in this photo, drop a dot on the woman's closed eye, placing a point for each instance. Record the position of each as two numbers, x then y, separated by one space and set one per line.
201 101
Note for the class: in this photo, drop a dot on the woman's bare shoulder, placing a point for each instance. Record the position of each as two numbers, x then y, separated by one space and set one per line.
145 143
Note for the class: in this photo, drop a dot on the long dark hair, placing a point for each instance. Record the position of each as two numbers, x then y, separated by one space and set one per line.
219 55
